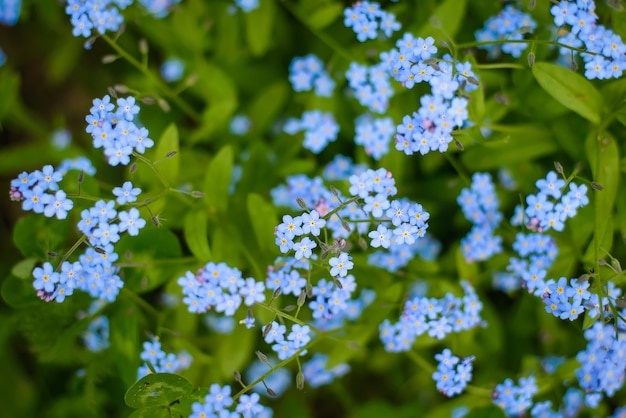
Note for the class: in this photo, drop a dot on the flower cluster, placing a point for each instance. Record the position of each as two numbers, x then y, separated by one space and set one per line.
514 400
437 317
567 301
605 49
453 374
366 18
374 135
573 401
218 402
286 347
79 163
307 73
101 15
316 373
157 8
603 362
550 208
319 129
398 256
161 361
537 253
480 206
114 130
219 286
371 85
430 128
509 24
10 11
31 189
96 336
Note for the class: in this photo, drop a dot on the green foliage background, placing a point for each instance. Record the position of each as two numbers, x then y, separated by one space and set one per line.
239 64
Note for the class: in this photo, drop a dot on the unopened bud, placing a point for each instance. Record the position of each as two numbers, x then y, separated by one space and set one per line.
473 80
164 105
334 191
81 176
502 98
148 100
128 254
170 154
621 303
267 329
532 4
262 357
616 265
583 278
309 290
558 167
270 392
300 381
289 308
121 88
531 59
112 92
237 377
100 250
601 262
52 254
338 283
596 186
458 144
155 220
300 201
107 59
301 298
191 80
345 225
143 46
276 293
133 168
197 194
363 243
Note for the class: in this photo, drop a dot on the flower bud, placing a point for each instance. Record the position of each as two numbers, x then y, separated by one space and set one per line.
300 381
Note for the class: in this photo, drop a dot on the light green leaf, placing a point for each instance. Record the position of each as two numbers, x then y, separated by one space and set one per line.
157 389
263 218
233 350
267 106
24 269
168 144
151 412
260 27
446 20
195 230
324 16
35 235
217 180
124 341
570 89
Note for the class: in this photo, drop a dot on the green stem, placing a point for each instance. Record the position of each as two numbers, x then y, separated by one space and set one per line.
166 91
458 168
501 65
141 302
522 41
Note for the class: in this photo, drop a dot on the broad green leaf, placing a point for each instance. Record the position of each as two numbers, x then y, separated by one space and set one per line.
521 146
124 341
157 389
168 144
217 180
260 27
149 253
446 20
267 106
325 15
603 156
233 350
24 269
196 237
589 321
19 292
570 89
35 235
151 412
263 218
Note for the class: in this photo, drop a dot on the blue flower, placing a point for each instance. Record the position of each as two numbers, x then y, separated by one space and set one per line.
131 222
127 193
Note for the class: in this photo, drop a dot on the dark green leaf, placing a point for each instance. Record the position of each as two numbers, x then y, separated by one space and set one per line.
157 389
19 292
570 89
35 235
325 15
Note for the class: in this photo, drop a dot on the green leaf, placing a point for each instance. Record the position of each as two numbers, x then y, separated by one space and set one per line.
233 350
570 89
603 156
196 237
24 269
324 16
490 411
157 389
260 27
124 340
18 292
168 144
446 20
35 235
522 145
267 106
263 218
148 251
217 180
151 412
